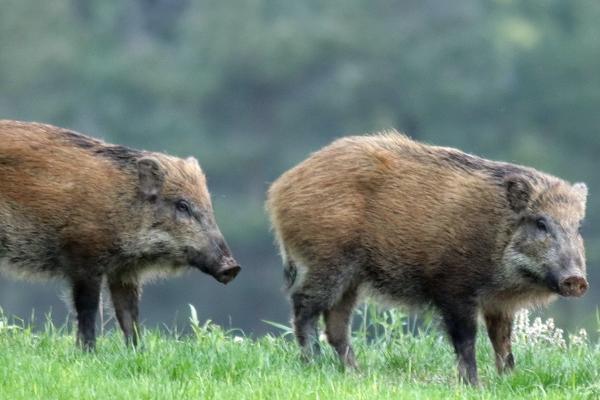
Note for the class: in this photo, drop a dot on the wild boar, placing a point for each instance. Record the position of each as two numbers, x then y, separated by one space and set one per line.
77 208
424 225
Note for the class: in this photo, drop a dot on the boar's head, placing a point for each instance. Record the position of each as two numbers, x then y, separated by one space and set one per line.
546 248
179 222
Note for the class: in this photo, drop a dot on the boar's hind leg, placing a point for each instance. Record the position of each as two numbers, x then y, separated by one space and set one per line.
461 323
318 292
337 327
499 327
125 297
86 296
307 311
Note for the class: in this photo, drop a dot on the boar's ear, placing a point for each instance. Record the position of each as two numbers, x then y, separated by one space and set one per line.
193 161
151 177
518 192
581 191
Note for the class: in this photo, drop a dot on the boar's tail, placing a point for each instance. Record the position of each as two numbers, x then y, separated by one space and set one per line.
290 273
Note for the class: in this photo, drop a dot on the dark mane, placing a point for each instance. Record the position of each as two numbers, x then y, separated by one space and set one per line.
123 156
496 170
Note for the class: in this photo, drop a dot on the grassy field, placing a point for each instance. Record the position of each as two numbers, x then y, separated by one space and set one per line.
214 364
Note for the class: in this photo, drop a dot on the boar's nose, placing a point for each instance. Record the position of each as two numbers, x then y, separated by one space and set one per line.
227 272
574 286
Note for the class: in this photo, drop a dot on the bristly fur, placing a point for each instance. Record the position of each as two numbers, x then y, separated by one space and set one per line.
417 224
78 208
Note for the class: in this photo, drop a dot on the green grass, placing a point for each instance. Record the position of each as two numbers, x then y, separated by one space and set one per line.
212 363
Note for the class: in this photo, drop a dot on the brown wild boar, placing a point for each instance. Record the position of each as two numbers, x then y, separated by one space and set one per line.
419 224
84 210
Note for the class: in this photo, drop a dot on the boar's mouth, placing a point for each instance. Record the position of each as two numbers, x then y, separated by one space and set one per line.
531 276
548 280
551 281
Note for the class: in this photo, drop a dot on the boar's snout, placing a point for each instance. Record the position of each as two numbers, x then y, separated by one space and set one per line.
572 286
228 271
216 261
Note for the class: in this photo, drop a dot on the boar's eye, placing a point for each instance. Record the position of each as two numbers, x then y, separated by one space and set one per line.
541 224
183 207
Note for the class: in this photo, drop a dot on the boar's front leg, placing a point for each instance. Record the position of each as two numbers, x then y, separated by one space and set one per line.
461 324
126 297
499 327
86 296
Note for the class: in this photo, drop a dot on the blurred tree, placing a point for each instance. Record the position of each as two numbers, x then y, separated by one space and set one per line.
251 87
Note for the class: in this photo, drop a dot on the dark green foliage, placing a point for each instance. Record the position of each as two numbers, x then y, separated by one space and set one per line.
251 87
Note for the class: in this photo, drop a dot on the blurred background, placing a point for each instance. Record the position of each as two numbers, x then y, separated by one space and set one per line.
251 87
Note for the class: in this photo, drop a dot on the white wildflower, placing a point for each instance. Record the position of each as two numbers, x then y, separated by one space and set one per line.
579 339
538 332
